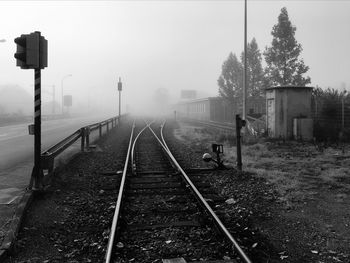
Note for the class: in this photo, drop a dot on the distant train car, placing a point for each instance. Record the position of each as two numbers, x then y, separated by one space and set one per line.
218 109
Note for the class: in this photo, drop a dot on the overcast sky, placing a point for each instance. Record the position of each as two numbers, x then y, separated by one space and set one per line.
164 44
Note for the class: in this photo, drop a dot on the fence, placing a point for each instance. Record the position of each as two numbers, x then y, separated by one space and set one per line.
331 118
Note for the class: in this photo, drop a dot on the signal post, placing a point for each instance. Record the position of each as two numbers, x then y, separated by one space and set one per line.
32 54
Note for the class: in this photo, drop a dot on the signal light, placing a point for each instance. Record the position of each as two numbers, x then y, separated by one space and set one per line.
21 55
31 51
240 123
120 85
43 53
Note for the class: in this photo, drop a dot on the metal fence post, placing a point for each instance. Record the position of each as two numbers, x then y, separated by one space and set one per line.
82 132
87 135
100 130
107 126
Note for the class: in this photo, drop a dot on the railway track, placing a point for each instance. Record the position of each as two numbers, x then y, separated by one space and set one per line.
162 214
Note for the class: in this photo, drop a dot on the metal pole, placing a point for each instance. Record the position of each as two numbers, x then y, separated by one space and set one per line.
119 103
245 64
342 114
82 131
238 140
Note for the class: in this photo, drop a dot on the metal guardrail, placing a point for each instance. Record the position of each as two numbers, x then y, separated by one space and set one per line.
48 156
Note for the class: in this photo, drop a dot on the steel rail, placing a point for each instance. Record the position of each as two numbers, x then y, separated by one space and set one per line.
202 200
133 165
118 203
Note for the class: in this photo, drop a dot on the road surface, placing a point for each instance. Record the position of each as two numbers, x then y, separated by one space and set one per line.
17 147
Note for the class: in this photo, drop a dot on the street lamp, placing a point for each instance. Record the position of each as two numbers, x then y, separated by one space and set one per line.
69 75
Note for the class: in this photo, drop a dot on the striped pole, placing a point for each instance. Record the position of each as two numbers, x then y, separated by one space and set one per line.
37 173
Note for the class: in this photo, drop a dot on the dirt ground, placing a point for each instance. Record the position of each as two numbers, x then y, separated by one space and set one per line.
309 217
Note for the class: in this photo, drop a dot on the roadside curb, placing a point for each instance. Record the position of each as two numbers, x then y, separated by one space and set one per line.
11 235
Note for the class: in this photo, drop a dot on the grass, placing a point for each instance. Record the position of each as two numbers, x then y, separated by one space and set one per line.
292 167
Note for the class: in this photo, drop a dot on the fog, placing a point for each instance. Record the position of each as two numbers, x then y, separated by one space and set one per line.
152 45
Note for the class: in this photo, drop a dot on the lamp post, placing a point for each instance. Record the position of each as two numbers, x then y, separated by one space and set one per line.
119 90
69 75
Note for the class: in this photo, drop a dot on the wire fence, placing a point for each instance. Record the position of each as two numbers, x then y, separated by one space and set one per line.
331 118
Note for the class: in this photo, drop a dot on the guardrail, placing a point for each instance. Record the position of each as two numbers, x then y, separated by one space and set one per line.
48 156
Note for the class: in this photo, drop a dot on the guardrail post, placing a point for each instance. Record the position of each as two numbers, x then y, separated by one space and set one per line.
87 135
100 130
82 132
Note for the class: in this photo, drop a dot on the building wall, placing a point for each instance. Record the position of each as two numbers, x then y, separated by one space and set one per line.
218 109
270 112
283 105
299 106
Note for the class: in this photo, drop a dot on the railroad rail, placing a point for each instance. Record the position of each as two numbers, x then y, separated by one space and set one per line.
49 155
151 193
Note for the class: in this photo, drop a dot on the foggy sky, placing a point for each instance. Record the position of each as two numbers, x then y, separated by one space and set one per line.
172 44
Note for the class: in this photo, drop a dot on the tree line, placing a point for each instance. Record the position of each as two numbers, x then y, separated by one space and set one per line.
284 67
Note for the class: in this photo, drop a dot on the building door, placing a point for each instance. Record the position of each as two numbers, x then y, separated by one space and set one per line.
271 117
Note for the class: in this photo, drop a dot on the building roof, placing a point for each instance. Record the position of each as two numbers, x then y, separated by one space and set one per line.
289 87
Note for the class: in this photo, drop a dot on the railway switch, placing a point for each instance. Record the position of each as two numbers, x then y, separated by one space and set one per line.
218 149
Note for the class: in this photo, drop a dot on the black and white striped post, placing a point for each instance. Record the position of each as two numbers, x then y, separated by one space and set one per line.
37 173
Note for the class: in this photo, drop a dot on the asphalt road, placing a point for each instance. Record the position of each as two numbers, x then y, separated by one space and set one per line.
17 146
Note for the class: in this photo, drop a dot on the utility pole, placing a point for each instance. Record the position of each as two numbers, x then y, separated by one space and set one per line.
245 64
119 90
